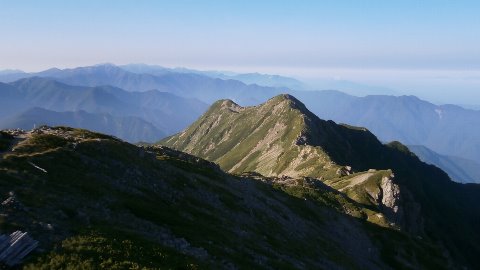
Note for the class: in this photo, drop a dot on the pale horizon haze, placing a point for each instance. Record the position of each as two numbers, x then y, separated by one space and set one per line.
426 48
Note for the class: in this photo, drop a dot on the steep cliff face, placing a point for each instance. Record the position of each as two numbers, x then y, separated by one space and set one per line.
393 202
390 199
282 138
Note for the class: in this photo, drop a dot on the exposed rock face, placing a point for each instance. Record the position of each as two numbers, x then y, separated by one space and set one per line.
344 171
395 202
391 200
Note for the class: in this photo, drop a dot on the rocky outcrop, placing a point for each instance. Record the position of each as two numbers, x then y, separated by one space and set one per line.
344 171
390 200
398 206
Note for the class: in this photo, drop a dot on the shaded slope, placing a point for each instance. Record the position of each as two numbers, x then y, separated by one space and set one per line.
282 137
405 118
101 202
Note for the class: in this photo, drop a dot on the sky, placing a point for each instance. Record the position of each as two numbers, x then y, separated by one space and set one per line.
369 41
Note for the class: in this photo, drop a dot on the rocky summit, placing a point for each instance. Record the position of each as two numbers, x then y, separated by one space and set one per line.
282 138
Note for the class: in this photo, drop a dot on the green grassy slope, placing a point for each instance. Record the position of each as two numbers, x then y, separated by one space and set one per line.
95 202
262 139
281 137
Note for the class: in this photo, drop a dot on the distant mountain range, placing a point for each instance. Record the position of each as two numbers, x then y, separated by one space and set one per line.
129 128
247 78
459 169
156 113
405 118
10 71
187 85
446 129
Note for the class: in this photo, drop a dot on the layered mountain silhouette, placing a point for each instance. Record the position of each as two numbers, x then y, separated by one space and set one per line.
188 85
133 129
144 115
247 78
406 118
459 169
300 192
281 138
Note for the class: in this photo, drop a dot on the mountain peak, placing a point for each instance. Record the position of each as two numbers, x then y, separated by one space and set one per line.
289 101
105 65
284 101
101 67
278 137
224 105
49 72
285 97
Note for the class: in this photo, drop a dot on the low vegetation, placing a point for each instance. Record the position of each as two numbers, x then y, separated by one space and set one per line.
383 184
106 204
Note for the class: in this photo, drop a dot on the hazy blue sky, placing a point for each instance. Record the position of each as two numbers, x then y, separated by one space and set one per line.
302 38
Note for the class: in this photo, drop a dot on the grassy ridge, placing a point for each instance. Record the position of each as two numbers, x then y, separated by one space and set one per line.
106 204
281 137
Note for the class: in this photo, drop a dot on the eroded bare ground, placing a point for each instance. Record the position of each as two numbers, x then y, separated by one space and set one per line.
19 136
357 180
